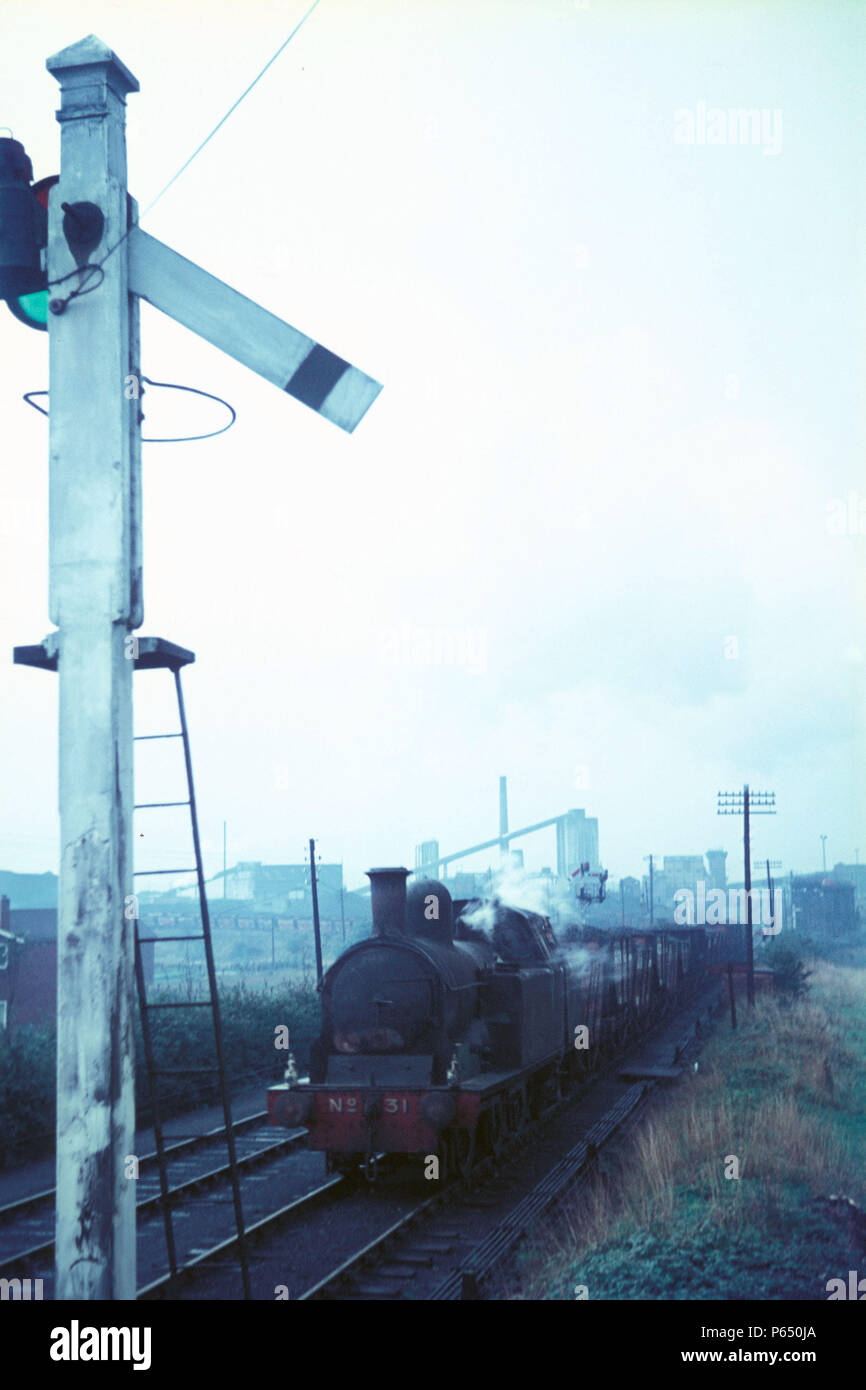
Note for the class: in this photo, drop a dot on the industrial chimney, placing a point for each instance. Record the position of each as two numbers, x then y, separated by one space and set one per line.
503 816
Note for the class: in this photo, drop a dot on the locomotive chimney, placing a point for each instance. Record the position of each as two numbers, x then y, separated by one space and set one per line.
388 901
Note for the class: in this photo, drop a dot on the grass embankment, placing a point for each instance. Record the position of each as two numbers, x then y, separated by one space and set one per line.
181 1038
785 1095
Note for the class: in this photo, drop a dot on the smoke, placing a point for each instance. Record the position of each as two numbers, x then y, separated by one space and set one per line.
547 896
514 887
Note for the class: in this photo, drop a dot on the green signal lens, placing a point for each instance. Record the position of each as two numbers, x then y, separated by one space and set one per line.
31 309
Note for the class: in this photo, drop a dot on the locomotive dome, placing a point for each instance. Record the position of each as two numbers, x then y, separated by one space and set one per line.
429 910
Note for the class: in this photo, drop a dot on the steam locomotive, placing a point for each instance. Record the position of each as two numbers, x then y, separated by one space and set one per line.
456 1023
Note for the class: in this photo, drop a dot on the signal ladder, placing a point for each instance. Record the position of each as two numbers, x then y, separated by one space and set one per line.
154 653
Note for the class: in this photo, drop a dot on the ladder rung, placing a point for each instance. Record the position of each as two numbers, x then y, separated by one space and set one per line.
143 940
218 1133
183 1004
149 805
145 873
142 738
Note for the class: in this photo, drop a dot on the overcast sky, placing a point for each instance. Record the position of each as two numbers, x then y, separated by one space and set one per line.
616 470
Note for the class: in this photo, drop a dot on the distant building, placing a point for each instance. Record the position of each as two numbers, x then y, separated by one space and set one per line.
427 859
822 905
11 948
272 887
626 902
856 874
469 885
684 871
716 862
576 843
28 966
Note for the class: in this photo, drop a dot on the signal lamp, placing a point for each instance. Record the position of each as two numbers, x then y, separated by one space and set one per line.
23 235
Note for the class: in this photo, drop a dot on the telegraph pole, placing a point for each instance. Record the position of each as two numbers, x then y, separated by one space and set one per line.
225 877
95 602
741 803
750 941
342 908
824 853
316 928
651 902
769 887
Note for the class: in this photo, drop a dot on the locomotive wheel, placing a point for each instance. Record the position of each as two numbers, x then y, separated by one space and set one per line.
446 1156
494 1128
515 1110
464 1151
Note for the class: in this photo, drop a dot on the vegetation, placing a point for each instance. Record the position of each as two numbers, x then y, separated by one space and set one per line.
181 1037
787 959
27 1082
724 1192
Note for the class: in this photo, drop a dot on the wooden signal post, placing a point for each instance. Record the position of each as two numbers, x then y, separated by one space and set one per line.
99 264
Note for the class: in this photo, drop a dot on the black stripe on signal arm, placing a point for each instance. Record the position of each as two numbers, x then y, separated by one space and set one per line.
317 375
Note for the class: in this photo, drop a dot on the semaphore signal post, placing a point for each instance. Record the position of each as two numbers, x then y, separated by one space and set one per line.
97 266
95 602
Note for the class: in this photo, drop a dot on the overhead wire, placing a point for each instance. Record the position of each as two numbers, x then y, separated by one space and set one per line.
234 106
197 151
58 305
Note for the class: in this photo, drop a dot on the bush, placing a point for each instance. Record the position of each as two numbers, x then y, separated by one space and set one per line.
27 1088
249 1018
181 1037
787 959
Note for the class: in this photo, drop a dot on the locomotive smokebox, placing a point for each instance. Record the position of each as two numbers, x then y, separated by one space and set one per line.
388 901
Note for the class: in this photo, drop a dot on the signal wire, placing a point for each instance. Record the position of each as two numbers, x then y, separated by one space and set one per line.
174 178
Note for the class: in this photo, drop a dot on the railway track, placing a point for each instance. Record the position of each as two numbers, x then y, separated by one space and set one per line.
449 1245
27 1224
338 1239
225 1251
345 1241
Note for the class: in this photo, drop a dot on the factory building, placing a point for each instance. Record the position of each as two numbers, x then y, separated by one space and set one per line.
28 966
823 906
576 843
684 871
264 882
856 874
